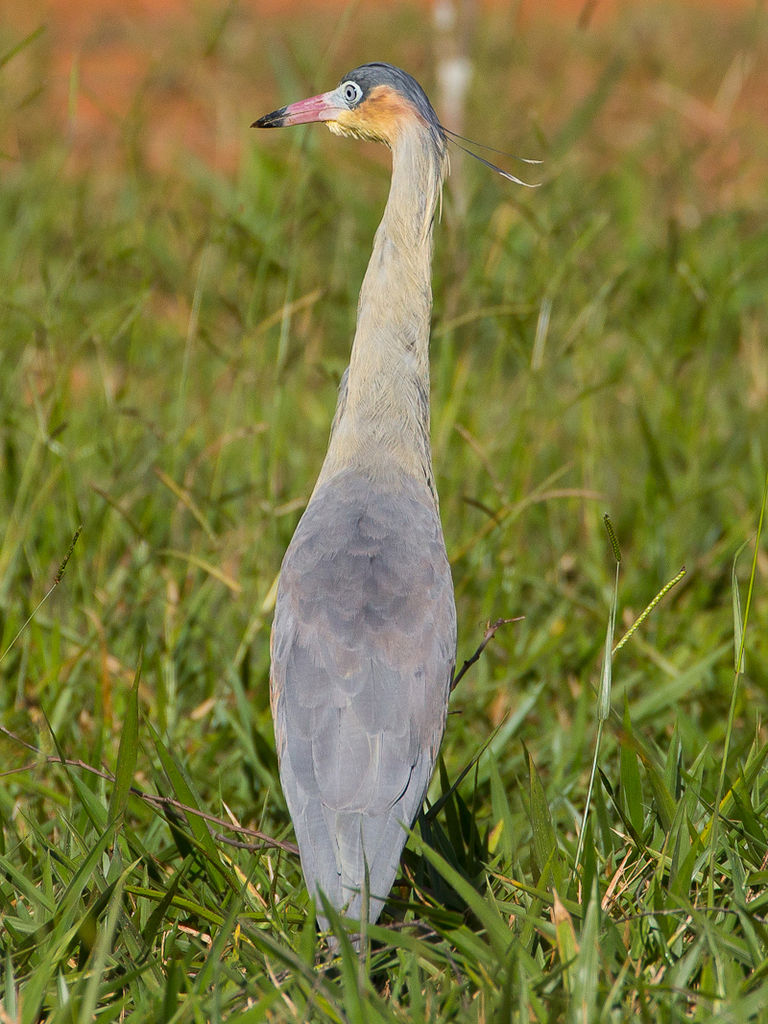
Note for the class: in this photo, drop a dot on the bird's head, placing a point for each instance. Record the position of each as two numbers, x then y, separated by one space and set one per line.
375 101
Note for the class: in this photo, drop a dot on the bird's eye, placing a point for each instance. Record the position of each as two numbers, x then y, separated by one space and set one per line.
351 92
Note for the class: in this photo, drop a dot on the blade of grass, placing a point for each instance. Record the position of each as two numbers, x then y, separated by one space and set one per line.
604 693
732 707
183 792
485 910
128 750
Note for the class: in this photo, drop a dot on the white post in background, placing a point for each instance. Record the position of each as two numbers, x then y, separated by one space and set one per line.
454 21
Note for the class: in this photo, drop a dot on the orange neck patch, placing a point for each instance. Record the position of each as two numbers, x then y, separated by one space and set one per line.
380 117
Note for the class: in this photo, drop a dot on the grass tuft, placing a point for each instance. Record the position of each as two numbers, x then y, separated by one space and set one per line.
177 306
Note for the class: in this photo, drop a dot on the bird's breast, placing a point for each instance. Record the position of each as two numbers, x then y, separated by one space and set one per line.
364 636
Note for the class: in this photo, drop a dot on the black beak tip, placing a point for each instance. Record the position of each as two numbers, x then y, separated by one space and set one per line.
273 120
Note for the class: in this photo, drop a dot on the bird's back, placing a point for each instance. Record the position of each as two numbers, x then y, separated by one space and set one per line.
363 650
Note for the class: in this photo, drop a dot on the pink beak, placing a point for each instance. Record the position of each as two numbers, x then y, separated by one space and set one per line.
324 107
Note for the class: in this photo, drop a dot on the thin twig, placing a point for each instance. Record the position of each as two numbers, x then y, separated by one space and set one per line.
158 801
490 632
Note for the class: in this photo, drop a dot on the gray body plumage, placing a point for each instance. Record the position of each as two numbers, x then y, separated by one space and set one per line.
364 634
363 648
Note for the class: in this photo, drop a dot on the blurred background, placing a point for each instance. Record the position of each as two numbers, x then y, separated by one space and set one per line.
177 302
190 73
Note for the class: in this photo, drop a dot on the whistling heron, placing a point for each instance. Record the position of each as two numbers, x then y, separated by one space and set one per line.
364 634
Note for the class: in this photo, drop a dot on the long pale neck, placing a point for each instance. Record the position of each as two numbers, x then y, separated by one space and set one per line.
382 417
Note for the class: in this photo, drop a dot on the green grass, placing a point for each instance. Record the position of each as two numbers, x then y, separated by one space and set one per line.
171 343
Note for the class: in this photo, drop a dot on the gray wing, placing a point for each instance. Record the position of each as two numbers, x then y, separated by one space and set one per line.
363 649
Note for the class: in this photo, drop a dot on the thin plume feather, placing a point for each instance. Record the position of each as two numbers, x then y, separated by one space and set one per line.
454 136
489 149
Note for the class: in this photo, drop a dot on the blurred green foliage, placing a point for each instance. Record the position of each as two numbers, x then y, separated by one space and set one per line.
172 338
